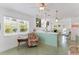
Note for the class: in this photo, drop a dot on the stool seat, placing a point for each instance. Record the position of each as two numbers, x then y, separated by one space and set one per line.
19 40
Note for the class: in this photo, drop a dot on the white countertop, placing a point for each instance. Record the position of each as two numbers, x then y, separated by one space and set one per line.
47 32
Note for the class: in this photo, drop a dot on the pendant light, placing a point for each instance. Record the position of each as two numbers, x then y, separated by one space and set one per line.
56 19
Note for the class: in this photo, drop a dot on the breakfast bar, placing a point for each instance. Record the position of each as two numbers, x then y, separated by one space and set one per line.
49 38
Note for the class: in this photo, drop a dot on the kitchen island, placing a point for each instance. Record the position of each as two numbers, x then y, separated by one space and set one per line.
77 39
49 38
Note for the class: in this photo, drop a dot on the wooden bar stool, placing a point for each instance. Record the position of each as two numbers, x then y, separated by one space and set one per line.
21 40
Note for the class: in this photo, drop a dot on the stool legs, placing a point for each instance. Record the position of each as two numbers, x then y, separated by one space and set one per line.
18 43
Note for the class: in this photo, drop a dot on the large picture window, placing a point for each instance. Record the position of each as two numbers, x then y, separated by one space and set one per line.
23 26
38 22
15 26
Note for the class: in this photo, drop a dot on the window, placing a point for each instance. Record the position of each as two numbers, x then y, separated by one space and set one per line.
38 22
14 26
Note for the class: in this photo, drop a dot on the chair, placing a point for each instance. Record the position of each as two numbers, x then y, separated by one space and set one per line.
32 40
73 50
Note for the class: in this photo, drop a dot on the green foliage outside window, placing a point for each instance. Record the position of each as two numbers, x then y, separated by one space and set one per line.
38 22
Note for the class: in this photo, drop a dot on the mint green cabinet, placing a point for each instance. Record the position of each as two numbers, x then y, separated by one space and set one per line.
48 38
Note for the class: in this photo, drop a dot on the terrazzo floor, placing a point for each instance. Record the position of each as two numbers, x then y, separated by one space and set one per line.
42 49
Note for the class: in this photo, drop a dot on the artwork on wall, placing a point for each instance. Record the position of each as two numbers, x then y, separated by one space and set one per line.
10 26
15 26
23 26
38 22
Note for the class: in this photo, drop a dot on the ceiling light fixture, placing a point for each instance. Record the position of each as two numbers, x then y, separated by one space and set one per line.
42 6
56 19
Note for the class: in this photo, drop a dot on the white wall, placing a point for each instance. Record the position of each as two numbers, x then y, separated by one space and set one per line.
61 22
68 22
75 31
7 42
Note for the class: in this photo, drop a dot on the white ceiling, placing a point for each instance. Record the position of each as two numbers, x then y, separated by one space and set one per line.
65 9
